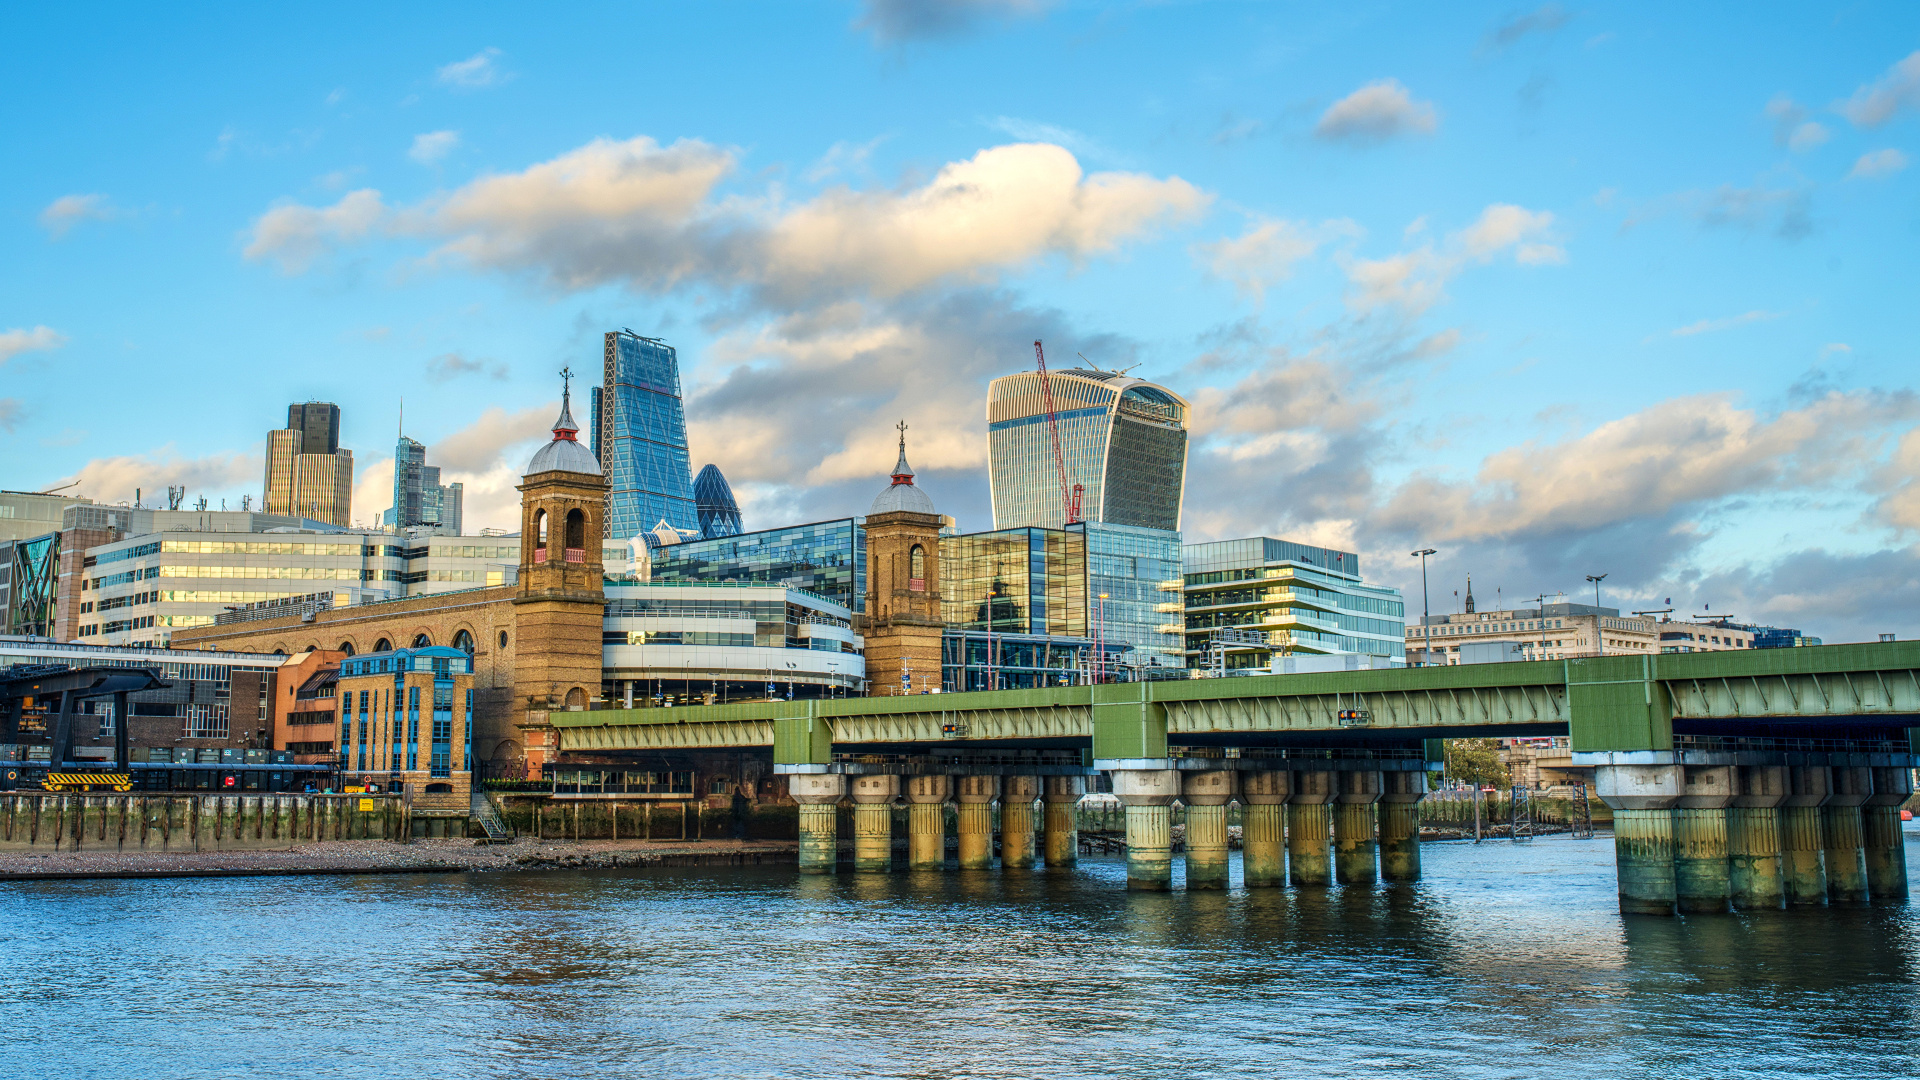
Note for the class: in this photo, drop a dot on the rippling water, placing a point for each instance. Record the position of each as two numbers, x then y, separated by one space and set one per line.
1507 961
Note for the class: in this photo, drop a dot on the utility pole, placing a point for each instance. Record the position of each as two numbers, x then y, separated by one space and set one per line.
1426 609
1541 618
1599 633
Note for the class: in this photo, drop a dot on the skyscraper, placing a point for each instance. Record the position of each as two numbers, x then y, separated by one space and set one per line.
308 475
640 437
419 499
713 500
1124 442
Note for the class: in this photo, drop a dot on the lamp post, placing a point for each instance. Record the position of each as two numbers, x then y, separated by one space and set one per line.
1599 635
1426 609
1100 638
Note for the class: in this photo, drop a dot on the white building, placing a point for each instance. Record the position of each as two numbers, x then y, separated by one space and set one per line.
726 642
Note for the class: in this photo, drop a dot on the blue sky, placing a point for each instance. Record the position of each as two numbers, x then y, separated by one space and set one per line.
1557 290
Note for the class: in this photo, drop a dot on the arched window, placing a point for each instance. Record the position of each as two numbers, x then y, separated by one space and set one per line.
464 642
917 568
576 698
576 536
503 639
279 652
422 641
539 536
347 647
383 645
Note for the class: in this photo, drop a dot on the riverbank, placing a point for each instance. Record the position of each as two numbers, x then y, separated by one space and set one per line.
381 857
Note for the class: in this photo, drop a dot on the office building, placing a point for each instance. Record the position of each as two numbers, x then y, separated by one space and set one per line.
713 502
1546 632
27 514
826 558
1123 441
1015 604
404 723
29 585
420 501
712 642
308 474
640 437
1715 635
1249 601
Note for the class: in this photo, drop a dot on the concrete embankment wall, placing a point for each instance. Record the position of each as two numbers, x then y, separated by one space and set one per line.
49 822
608 819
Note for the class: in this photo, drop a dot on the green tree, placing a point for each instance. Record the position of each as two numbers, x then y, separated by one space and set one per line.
1477 762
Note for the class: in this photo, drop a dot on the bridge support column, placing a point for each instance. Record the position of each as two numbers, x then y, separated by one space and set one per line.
1755 878
1642 798
819 795
1886 849
1801 835
1400 795
873 822
1206 795
1353 842
1017 796
1702 882
927 821
1148 795
974 822
1060 825
1309 823
1263 832
1841 834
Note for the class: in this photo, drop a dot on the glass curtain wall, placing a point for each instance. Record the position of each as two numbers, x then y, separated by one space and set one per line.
826 558
643 429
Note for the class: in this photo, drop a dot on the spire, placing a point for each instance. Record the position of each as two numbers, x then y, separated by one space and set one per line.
1469 594
565 428
902 472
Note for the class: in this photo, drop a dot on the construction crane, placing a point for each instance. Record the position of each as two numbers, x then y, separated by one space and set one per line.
1069 494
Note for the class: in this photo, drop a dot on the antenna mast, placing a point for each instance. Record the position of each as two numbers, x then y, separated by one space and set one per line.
1069 495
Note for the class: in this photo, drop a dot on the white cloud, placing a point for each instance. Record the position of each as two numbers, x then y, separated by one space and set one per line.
295 235
431 146
1897 90
16 341
1877 163
1264 255
448 366
1709 326
902 20
1413 281
114 479
69 210
1377 111
1791 128
476 71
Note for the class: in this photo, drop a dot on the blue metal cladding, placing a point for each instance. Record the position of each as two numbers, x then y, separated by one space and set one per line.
643 438
713 498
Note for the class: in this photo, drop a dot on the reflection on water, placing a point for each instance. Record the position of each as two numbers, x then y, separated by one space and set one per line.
1505 961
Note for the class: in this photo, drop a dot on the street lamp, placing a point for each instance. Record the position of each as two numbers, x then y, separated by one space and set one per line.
1100 639
1599 636
1426 609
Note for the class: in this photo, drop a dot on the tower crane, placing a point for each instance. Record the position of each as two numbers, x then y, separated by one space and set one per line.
1069 494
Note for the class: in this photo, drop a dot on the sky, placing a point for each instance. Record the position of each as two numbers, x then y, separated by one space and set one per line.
1555 290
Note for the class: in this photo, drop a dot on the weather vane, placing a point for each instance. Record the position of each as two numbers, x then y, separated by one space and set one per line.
902 425
566 379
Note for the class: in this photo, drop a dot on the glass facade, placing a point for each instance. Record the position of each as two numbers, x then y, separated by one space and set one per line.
1133 589
713 500
1301 599
1015 581
978 660
826 558
419 499
642 438
1123 441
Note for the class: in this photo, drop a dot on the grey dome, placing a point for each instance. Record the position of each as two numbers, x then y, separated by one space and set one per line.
902 495
564 453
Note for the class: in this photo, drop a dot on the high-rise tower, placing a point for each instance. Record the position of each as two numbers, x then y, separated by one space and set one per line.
713 499
308 474
1124 441
419 498
641 437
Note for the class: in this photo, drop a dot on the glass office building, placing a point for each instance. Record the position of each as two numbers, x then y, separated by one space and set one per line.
1134 597
827 558
1123 440
1015 605
419 499
713 500
1298 598
640 437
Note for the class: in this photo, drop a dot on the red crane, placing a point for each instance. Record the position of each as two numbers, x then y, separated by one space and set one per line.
1069 495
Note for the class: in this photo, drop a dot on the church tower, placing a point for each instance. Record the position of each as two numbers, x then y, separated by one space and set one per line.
903 620
562 602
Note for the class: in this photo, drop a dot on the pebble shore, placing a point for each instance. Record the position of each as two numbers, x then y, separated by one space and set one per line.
379 856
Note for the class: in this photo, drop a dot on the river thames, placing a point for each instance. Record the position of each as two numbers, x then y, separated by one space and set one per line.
1507 961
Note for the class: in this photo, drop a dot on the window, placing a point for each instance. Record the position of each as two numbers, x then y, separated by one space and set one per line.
503 639
917 569
346 647
422 641
383 645
539 536
464 642
576 530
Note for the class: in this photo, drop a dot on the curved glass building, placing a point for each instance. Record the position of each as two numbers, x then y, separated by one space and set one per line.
713 501
1124 441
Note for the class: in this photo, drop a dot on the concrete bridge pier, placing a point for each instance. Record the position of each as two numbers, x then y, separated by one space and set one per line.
1701 869
819 796
1017 796
1642 798
1755 877
1400 795
927 821
1148 795
873 796
1802 836
1841 834
1309 823
1206 795
1886 849
973 824
1353 842
1060 827
1263 832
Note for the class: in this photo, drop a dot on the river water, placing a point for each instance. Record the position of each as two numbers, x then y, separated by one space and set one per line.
1506 961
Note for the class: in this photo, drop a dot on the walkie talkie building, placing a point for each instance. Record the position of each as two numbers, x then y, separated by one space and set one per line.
1124 441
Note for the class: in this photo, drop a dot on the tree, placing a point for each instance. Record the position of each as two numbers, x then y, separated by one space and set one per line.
1477 762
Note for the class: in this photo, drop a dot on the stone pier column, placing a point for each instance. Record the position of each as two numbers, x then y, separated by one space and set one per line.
873 822
1400 795
1206 795
1755 877
1885 848
1702 874
1309 824
1642 798
1353 843
1148 795
1801 835
974 822
927 821
1263 832
1060 825
1842 842
1017 796
819 795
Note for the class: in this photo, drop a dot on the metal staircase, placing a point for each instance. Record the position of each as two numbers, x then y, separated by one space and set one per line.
1520 813
489 819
